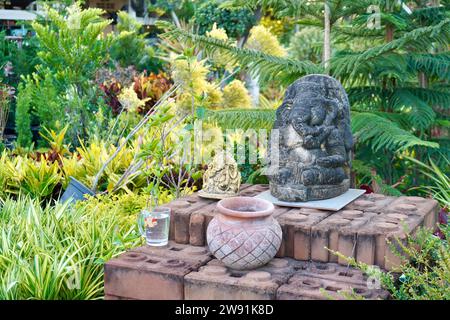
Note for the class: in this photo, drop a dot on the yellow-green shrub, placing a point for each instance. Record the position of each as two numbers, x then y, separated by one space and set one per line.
235 95
263 40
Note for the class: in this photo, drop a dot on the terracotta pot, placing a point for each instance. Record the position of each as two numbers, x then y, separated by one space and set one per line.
243 234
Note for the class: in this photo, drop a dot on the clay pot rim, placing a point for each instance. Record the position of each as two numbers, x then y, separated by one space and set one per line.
223 204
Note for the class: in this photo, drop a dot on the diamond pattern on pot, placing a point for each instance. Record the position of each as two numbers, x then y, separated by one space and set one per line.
241 248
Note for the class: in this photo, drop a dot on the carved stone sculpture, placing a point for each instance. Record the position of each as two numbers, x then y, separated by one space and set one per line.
315 141
222 179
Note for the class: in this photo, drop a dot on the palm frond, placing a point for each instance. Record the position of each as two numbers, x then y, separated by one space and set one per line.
384 134
267 67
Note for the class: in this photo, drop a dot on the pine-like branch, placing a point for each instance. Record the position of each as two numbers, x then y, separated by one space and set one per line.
242 118
267 67
352 64
437 65
382 133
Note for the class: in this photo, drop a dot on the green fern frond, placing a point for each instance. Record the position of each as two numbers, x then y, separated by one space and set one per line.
369 97
421 115
267 67
352 71
281 8
432 64
420 38
432 96
384 134
242 118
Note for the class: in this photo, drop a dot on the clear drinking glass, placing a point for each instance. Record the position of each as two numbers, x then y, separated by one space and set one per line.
154 226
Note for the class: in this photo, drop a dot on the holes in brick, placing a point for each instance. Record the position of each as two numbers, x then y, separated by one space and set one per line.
176 249
323 268
310 283
346 274
334 289
236 275
363 292
132 256
151 261
298 268
173 263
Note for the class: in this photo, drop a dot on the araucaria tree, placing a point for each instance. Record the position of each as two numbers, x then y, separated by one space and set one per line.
72 48
395 70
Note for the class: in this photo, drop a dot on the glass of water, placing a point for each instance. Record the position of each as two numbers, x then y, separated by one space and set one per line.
154 225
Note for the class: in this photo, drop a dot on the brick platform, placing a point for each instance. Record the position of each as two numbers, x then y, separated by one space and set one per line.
306 270
182 272
361 230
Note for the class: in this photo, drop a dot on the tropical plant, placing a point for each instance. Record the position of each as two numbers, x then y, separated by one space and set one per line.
261 39
236 23
440 180
396 81
23 116
235 95
307 44
5 100
72 48
17 61
58 251
424 276
129 39
150 89
111 90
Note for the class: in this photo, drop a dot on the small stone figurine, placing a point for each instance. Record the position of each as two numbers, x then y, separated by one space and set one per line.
315 141
222 179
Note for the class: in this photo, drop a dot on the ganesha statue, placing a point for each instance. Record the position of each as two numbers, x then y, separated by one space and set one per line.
222 179
314 144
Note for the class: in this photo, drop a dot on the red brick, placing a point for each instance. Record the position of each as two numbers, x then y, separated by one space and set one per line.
299 223
111 297
428 208
217 282
313 280
153 273
389 226
370 202
339 232
196 230
307 288
198 255
253 190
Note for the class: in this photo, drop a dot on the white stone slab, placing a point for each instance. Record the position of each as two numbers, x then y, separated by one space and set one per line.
332 204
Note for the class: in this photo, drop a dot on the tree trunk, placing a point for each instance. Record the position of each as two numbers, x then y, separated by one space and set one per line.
326 39
423 80
175 18
253 88
389 33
